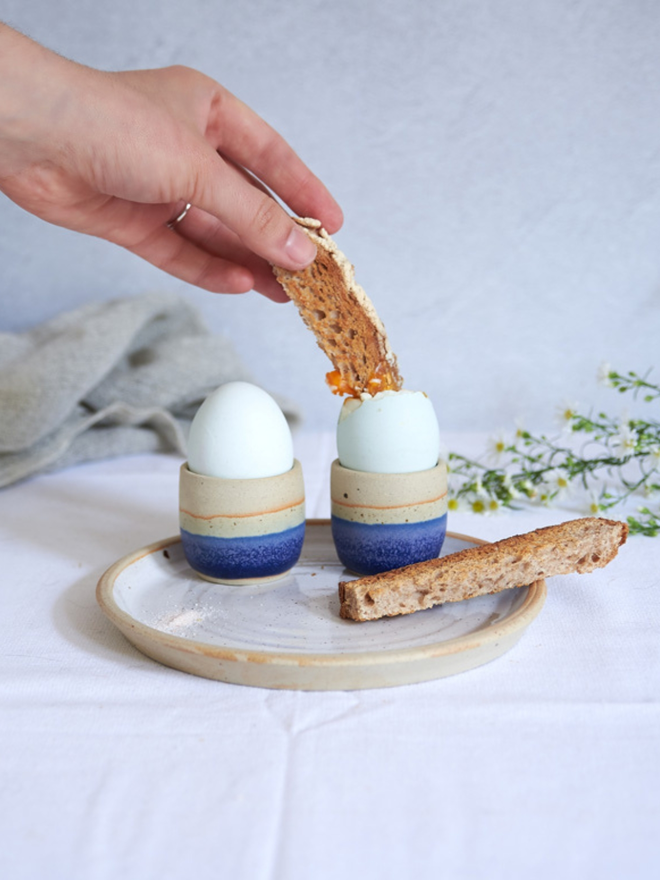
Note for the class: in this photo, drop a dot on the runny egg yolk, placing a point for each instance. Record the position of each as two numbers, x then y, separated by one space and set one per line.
380 379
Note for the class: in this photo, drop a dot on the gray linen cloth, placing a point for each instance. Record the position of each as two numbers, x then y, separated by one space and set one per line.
108 379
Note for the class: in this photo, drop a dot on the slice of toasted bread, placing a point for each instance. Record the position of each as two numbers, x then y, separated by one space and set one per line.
580 545
342 317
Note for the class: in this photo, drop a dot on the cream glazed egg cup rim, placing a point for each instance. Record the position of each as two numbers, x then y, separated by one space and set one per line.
440 465
201 495
194 475
398 490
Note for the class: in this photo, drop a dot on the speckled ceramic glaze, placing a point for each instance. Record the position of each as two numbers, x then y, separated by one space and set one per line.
289 634
384 521
242 531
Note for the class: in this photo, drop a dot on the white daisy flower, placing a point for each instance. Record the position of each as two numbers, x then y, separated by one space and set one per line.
566 413
558 483
497 445
456 505
520 429
479 505
654 458
625 441
593 505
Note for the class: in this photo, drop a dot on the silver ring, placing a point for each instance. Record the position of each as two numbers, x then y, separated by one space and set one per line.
174 223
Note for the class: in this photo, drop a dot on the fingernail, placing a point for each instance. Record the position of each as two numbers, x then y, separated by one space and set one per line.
299 248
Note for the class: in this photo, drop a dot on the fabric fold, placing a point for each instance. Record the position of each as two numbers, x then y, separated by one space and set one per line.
114 378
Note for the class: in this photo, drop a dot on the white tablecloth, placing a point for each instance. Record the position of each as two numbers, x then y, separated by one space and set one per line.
542 764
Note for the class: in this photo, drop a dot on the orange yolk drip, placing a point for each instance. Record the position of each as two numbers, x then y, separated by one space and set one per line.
380 380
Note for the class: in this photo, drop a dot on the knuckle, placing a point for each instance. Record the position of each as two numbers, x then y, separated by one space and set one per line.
182 71
266 218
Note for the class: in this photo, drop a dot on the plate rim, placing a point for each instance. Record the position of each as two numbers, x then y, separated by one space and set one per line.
516 621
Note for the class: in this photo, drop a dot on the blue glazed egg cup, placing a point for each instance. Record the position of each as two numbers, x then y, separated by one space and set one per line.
242 531
386 521
370 549
243 560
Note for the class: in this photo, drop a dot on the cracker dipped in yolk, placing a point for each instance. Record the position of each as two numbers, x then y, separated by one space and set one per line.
380 379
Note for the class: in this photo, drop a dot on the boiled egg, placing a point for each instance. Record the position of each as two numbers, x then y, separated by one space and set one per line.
393 432
239 432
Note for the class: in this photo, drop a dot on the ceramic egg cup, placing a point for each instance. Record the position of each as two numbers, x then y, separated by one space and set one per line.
385 521
242 531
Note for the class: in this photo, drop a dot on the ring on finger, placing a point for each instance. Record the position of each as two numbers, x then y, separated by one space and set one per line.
174 223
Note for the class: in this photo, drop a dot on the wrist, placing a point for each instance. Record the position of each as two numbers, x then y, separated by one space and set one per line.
35 93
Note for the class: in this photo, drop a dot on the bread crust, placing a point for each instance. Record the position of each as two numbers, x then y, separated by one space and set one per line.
580 546
341 316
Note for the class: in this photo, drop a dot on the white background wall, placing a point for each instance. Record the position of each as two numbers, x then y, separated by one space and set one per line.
498 164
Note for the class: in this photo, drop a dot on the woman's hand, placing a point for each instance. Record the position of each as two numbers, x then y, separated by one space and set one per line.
119 155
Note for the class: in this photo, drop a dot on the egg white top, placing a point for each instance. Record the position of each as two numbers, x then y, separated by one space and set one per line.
239 432
391 432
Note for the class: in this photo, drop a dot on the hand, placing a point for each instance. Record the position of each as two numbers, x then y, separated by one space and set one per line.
118 155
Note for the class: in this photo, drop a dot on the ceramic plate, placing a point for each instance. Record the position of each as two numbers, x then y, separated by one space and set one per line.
288 634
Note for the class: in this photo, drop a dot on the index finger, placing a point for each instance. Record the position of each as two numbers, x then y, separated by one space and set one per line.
243 136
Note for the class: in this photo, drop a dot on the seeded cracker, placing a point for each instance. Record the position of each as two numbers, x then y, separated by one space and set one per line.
341 316
580 545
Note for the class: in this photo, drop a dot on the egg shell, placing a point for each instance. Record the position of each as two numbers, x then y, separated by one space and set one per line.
239 432
394 432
